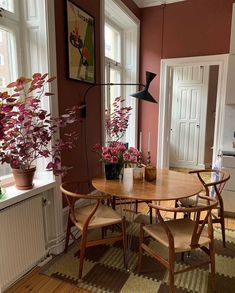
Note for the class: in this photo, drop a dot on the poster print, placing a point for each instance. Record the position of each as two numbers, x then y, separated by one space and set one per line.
80 29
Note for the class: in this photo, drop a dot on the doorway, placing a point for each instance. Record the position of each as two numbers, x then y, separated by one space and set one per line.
165 106
194 92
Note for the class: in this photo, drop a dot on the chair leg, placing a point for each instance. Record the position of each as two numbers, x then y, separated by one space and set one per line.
212 259
113 203
176 206
222 227
151 215
69 226
136 206
82 252
171 270
124 240
103 232
140 248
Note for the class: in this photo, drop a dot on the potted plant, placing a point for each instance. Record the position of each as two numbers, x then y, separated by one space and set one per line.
116 154
116 123
27 130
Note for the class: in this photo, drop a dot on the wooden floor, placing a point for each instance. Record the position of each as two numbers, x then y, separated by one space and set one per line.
38 283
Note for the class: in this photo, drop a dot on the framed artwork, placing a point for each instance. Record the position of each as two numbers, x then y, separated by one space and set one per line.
80 44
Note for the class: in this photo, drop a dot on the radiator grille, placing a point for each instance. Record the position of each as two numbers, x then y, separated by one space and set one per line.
22 242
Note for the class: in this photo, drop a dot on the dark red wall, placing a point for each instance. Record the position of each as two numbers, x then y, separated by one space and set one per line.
133 7
191 28
70 93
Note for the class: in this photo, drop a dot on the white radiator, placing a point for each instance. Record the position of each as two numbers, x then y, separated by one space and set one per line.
22 242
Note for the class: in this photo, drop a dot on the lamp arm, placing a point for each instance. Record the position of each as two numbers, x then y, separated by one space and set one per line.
103 84
83 104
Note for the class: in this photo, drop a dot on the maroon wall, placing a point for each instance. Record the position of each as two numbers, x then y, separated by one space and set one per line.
70 92
133 7
191 28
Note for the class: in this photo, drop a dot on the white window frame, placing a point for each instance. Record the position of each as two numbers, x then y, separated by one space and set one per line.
129 61
23 26
3 81
1 59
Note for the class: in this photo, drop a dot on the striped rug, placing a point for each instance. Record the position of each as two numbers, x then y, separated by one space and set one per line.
104 272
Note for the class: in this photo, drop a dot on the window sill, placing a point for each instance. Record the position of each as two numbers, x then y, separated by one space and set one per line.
13 195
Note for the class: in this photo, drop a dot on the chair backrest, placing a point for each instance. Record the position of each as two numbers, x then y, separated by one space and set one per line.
210 203
75 190
212 180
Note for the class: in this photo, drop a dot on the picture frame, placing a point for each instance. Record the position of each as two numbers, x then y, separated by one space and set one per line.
80 43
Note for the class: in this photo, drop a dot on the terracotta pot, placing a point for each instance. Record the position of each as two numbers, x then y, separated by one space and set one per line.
24 178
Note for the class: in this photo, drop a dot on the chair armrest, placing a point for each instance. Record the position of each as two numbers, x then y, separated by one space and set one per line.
213 203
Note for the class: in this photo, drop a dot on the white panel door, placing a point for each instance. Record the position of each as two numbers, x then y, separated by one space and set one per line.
186 118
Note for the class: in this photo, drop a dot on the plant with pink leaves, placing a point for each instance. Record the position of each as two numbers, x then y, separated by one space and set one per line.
27 131
116 123
116 153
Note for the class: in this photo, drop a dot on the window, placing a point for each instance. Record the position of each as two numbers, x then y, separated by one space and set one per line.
2 82
8 56
121 50
112 43
1 59
22 58
7 5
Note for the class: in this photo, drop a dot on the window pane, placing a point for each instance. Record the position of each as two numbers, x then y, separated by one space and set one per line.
5 169
7 5
7 67
115 90
112 43
7 58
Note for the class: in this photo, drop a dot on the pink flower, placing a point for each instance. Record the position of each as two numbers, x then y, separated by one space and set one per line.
114 160
134 151
107 157
126 156
96 147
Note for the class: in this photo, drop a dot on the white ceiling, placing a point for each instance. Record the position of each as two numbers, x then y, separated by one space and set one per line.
149 3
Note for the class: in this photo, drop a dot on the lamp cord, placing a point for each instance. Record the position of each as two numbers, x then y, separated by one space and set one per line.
86 155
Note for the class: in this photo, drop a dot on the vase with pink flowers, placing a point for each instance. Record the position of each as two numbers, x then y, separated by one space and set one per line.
115 156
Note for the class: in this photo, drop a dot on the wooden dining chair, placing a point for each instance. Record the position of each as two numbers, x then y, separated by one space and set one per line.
179 236
91 214
213 182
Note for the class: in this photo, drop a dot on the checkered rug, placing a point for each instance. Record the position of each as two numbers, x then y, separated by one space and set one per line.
104 272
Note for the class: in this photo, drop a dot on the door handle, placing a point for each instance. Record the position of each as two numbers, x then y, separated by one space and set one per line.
198 125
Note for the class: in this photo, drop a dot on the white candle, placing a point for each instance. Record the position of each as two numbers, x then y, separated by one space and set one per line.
149 142
140 142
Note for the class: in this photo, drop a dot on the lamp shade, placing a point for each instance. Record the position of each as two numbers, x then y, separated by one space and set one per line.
144 94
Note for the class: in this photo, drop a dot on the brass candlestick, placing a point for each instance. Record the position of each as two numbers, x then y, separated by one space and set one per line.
149 159
150 171
139 160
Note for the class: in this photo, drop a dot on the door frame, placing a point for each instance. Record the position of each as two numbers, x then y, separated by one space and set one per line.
165 101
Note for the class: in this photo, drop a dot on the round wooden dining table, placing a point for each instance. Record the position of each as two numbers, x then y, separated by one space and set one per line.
169 185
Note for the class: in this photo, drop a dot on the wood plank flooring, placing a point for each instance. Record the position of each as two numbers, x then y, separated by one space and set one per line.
38 283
